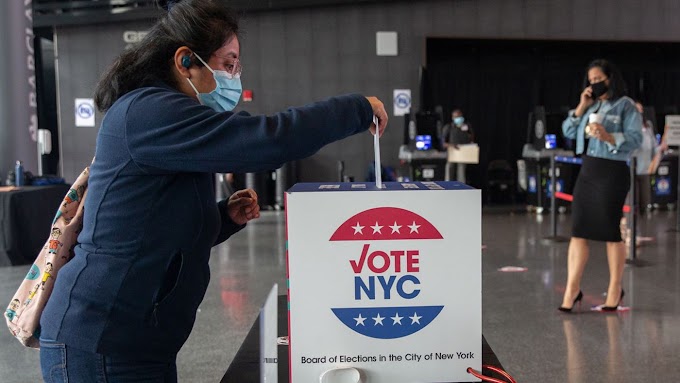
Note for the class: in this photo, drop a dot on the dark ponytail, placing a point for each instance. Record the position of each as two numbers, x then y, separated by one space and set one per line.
202 25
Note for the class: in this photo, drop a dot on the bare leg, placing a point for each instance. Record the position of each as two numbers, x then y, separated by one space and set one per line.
616 255
576 263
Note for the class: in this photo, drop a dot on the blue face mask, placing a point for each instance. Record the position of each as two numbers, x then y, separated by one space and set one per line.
459 120
227 90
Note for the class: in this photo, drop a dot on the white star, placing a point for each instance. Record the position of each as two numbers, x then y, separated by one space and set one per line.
376 228
360 320
396 318
395 228
378 319
414 227
358 229
415 318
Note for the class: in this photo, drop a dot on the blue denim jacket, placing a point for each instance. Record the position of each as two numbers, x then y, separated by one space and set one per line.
621 119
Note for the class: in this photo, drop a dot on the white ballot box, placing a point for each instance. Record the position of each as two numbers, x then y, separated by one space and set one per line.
385 281
464 154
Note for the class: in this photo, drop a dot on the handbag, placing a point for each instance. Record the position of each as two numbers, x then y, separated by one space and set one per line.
27 304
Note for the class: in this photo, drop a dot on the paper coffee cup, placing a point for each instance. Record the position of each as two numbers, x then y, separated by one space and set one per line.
595 117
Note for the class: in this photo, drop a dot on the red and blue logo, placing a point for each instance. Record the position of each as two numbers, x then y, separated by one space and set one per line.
384 275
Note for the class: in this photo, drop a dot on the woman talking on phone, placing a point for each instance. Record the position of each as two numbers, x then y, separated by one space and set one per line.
606 127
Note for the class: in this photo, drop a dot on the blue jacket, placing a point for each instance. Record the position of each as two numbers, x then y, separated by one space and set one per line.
621 119
141 268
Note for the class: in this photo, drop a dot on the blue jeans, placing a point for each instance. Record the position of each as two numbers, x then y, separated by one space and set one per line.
62 364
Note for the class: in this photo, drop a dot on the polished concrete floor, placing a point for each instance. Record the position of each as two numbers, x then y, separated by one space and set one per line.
533 341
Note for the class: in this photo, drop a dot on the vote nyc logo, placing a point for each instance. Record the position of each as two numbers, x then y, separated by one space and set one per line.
382 274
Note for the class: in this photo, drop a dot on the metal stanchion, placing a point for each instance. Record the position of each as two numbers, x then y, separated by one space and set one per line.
632 258
553 206
677 203
539 189
632 215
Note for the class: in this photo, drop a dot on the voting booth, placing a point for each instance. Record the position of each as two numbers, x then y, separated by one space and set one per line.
384 283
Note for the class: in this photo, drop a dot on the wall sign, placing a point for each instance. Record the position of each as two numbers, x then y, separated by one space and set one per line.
673 130
402 101
84 110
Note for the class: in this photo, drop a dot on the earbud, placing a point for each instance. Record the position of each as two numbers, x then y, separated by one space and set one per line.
186 62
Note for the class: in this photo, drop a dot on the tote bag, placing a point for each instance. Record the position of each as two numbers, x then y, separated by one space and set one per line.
27 304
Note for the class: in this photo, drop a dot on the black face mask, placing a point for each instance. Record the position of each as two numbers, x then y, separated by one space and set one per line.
599 88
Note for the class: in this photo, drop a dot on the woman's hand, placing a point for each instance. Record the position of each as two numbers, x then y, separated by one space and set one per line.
585 102
378 111
242 206
598 131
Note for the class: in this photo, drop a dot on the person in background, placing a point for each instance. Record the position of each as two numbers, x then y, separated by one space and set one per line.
659 152
458 132
643 156
122 308
606 126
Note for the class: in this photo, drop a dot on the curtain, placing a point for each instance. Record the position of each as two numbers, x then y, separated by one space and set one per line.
498 82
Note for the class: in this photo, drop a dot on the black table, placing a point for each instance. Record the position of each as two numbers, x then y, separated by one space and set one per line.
26 215
245 367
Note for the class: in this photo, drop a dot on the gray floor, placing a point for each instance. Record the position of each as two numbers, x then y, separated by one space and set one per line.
534 341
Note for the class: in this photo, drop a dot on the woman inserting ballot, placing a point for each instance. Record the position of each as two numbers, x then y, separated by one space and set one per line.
123 307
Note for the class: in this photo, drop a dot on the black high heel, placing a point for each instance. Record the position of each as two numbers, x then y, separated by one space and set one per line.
614 308
576 300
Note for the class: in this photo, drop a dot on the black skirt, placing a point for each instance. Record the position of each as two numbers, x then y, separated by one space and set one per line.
599 195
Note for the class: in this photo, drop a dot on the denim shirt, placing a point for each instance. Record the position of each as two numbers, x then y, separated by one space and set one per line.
621 120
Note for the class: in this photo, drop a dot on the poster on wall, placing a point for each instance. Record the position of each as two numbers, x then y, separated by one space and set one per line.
402 101
84 110
673 130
